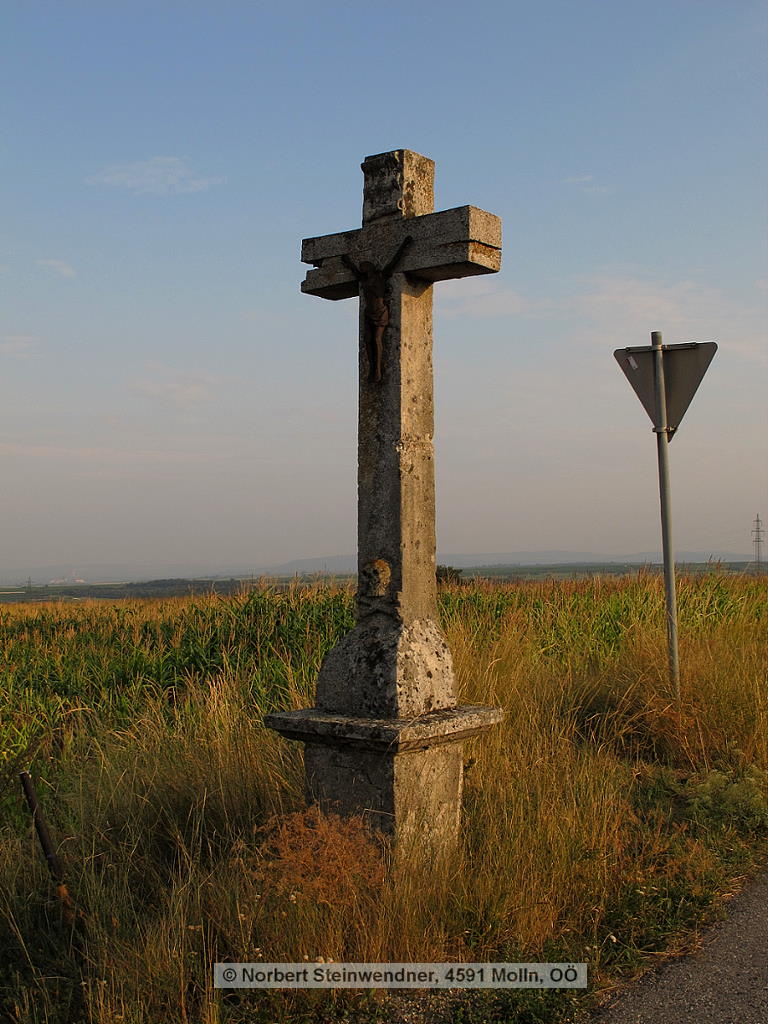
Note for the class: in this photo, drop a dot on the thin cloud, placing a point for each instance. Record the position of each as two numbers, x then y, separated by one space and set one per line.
103 461
633 301
640 301
622 310
22 346
182 388
159 176
481 299
98 454
59 267
586 183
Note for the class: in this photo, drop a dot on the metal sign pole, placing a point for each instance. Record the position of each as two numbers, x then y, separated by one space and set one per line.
665 379
662 432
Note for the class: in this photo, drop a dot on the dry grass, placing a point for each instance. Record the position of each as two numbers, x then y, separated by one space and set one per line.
599 819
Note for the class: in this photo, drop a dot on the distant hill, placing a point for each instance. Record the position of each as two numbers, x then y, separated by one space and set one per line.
330 565
336 565
348 563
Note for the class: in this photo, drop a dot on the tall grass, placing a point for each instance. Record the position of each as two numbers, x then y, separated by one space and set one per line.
599 819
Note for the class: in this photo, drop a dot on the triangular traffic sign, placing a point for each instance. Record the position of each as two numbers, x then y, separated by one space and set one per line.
684 369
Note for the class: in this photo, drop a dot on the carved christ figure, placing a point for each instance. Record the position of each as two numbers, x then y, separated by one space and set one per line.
374 287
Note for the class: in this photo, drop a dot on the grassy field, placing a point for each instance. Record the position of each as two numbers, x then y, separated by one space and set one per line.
601 821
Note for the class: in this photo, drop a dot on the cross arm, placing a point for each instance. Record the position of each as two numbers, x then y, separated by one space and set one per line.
453 243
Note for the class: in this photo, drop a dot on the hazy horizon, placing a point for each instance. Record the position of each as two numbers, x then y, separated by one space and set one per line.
169 397
62 573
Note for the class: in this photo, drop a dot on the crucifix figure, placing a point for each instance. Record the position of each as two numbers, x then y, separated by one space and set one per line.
386 735
373 283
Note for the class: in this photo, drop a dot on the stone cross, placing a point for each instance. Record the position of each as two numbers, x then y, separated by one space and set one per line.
386 736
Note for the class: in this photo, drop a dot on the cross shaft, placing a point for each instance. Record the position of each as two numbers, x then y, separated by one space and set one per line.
396 537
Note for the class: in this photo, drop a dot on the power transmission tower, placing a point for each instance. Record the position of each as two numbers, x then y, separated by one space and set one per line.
758 533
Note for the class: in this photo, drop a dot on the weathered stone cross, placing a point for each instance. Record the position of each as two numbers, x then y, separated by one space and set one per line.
386 735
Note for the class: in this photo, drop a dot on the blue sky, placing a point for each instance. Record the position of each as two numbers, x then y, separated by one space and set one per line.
169 398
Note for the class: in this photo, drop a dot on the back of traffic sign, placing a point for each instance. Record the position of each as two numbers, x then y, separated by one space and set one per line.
684 368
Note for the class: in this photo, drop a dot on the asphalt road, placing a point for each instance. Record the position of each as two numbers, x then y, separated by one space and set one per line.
725 982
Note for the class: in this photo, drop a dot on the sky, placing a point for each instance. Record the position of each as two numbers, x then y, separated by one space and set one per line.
168 397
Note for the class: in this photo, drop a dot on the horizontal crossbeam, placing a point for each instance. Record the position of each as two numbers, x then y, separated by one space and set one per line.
452 243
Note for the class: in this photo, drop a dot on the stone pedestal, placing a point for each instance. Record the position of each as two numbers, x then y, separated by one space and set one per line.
403 775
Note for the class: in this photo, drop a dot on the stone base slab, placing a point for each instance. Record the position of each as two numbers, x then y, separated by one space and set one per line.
387 735
412 795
